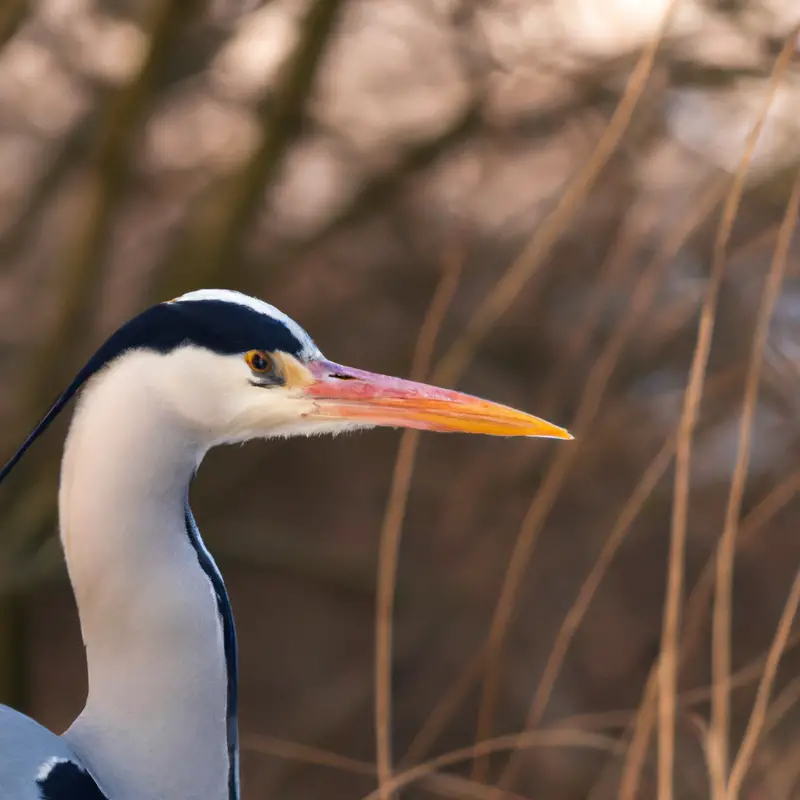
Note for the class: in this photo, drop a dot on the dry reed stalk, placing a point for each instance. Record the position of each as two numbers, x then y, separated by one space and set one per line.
508 289
445 709
616 268
758 517
726 550
753 523
759 713
727 547
441 784
392 527
668 661
450 703
679 528
641 297
304 754
786 700
741 679
554 738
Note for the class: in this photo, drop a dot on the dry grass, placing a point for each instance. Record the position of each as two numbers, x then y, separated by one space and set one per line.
663 683
641 300
575 731
506 290
715 737
455 361
426 773
727 547
721 649
621 739
393 522
668 660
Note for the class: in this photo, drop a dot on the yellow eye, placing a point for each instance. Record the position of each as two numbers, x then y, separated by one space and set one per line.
259 361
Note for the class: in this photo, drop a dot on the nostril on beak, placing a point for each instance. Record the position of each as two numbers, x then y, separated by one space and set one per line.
339 376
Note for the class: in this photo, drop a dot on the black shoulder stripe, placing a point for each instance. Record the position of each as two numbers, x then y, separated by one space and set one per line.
68 781
209 567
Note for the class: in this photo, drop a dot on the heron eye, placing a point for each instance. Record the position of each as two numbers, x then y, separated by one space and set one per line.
259 362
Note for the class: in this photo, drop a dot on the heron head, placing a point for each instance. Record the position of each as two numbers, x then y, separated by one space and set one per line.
233 368
245 370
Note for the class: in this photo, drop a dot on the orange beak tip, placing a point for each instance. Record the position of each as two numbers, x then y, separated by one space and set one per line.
564 435
545 430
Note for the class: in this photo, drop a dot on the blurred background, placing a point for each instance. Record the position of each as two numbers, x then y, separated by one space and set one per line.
569 195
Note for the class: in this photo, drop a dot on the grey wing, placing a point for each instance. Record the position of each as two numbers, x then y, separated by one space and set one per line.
35 764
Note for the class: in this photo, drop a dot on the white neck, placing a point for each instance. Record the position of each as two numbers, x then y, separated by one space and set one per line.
156 720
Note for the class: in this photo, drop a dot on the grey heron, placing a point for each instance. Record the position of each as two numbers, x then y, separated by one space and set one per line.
211 367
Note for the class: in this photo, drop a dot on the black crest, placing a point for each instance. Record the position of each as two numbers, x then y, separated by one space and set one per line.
222 326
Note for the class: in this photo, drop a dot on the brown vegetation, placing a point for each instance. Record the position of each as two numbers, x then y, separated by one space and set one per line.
583 211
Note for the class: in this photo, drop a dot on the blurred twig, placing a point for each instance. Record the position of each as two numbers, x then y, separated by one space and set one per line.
692 400
445 709
726 549
225 211
741 679
294 751
108 177
444 785
499 299
12 15
632 508
77 145
469 676
29 214
784 703
550 738
642 296
80 280
696 608
393 521
503 294
697 75
509 287
378 191
614 276
696 215
758 715
119 126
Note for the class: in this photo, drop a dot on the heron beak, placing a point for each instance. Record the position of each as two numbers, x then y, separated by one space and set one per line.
355 395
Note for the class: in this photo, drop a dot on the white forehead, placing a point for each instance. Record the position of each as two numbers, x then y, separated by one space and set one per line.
229 296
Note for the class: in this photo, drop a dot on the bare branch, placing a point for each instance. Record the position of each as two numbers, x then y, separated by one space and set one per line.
225 211
12 15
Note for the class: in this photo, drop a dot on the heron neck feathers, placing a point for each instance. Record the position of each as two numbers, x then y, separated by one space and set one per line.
156 716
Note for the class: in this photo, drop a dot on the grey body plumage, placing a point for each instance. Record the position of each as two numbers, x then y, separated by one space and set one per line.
28 754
